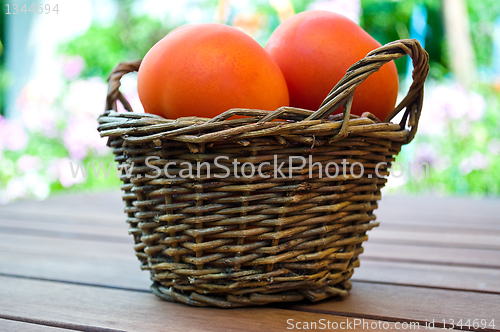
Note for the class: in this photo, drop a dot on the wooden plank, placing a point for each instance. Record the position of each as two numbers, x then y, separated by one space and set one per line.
438 276
98 200
72 260
16 326
442 227
438 218
439 209
71 229
62 218
137 311
61 234
83 206
400 303
474 241
430 254
78 216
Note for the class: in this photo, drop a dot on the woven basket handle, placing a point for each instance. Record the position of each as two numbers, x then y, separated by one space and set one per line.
343 92
114 83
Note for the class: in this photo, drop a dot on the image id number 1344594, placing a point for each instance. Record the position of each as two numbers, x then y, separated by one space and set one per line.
39 9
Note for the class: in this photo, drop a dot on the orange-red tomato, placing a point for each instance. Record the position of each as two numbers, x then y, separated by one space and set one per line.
315 48
206 69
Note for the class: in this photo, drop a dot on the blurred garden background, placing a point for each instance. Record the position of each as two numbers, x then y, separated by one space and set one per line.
53 69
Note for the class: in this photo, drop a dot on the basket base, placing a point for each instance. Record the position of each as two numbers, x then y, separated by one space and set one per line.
232 301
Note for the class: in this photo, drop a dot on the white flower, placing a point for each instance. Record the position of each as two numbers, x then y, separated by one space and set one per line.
493 146
36 105
27 163
12 135
16 188
477 161
81 136
444 102
66 171
37 185
86 97
349 8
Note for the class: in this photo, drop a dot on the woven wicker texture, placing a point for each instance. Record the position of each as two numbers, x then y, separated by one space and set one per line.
214 240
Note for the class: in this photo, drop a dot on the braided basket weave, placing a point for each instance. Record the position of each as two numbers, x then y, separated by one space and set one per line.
240 241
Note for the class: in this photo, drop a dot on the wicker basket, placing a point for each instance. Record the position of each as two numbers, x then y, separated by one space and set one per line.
251 240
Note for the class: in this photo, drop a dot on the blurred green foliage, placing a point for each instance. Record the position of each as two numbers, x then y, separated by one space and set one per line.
482 16
103 47
389 20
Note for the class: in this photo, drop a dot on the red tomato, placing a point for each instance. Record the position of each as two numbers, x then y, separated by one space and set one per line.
206 69
315 48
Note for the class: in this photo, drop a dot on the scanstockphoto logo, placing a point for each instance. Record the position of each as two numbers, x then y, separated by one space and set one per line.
222 167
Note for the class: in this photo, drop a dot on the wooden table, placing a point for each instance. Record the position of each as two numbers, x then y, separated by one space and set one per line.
68 263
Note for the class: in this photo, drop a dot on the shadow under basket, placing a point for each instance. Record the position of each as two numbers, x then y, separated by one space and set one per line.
262 232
